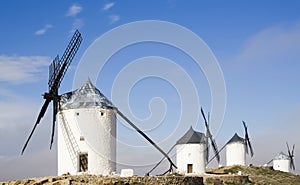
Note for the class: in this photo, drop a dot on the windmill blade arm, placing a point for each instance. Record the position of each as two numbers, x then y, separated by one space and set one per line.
292 164
244 123
293 149
215 148
208 134
203 115
146 137
250 147
291 156
246 143
72 47
160 161
53 71
247 140
207 153
292 160
246 131
213 144
55 107
216 155
41 114
288 149
269 161
65 61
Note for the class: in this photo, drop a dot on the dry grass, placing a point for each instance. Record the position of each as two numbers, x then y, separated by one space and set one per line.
257 175
261 175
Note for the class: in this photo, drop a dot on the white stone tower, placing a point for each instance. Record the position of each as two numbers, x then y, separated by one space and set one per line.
236 151
191 152
86 132
282 162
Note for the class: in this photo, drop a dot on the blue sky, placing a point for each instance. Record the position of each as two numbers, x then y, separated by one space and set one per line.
257 45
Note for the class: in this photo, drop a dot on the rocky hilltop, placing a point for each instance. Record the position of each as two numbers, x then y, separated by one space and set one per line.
260 175
218 176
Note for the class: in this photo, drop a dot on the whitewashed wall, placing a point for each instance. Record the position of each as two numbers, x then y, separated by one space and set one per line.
235 154
191 154
97 129
281 165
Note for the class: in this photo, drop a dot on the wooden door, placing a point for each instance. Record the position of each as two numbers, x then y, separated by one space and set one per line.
83 162
190 168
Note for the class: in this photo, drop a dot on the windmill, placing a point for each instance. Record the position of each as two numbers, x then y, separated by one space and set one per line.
284 162
212 141
57 70
94 142
247 140
291 156
199 142
237 148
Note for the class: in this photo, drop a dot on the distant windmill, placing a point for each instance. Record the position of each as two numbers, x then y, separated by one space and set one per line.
192 150
237 147
57 70
284 162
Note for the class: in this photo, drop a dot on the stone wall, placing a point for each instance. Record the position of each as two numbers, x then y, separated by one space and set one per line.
135 180
225 179
108 180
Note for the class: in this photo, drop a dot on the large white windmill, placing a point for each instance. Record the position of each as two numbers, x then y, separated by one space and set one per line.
86 133
87 119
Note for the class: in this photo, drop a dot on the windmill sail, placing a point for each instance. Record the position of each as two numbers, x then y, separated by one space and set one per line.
147 138
57 70
291 156
40 116
209 135
55 109
247 140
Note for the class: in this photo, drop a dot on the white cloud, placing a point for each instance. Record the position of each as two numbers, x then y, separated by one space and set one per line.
43 30
114 18
74 10
39 164
271 44
108 6
22 69
18 115
7 93
25 110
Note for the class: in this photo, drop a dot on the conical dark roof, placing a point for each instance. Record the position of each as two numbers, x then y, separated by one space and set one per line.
86 96
236 139
192 136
